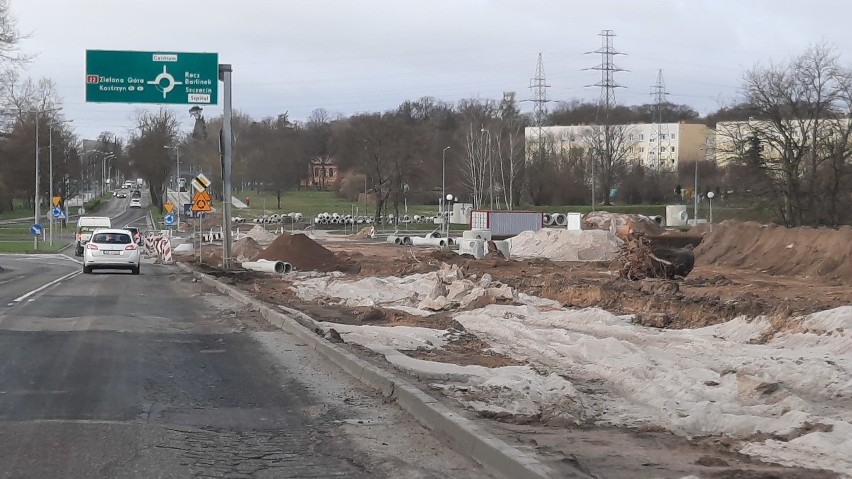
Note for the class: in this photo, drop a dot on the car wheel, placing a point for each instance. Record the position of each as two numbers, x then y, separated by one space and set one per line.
87 269
135 270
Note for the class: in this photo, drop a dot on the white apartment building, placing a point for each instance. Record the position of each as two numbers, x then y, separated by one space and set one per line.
659 146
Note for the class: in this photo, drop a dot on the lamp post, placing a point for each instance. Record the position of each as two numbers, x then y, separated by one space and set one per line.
710 196
177 181
490 168
443 189
695 191
449 200
36 212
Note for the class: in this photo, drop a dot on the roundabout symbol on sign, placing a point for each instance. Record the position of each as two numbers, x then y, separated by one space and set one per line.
170 80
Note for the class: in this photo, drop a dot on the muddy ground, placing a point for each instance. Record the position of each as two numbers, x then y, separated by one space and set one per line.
710 294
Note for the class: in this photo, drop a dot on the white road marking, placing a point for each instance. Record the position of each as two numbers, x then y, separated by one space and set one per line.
27 295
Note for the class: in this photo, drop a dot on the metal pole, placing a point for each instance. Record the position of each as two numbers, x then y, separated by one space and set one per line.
50 155
225 71
36 212
695 196
180 200
444 190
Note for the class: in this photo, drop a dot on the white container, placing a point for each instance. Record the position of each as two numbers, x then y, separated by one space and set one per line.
574 221
676 215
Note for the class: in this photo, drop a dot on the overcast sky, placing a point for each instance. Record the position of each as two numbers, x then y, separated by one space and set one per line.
349 56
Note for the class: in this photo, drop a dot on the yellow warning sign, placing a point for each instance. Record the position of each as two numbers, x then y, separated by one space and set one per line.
56 200
201 201
168 206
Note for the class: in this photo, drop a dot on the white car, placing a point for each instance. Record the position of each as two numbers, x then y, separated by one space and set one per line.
136 203
111 249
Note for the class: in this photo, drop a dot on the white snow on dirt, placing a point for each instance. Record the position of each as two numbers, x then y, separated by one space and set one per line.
734 379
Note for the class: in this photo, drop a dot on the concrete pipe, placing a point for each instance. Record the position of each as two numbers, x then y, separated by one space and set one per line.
406 240
546 219
559 219
417 241
265 266
433 234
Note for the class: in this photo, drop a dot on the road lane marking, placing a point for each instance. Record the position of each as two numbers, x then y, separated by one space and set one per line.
27 295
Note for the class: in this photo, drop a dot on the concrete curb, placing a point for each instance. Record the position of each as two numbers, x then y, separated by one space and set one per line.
464 435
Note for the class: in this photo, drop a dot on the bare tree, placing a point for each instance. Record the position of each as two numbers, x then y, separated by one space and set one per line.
803 126
154 130
607 148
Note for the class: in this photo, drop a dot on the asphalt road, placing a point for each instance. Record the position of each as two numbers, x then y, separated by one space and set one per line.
111 375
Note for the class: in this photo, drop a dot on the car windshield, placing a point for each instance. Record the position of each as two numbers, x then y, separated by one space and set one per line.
111 238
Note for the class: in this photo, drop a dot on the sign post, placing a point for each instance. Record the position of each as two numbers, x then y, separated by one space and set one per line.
151 77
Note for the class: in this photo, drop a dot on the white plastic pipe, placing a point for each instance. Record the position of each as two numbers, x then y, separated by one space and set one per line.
267 266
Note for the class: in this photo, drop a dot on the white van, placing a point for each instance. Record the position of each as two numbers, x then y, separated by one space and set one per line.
85 226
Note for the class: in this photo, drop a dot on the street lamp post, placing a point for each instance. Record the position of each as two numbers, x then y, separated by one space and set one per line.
490 168
36 212
443 190
177 180
710 196
695 193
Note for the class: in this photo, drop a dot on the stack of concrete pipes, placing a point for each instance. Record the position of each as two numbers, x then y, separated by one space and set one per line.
555 219
348 219
278 219
430 239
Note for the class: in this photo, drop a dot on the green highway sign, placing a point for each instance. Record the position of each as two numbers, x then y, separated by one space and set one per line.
151 77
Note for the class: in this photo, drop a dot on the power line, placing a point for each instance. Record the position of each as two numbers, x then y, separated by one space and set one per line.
608 69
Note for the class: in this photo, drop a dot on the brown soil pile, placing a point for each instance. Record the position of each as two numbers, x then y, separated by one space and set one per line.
245 248
300 251
804 252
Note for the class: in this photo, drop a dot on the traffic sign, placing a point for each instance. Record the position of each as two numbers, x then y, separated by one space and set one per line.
200 182
169 219
152 77
201 201
57 212
56 200
168 206
36 230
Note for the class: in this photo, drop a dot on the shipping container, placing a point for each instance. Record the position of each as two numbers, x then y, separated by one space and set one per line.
505 224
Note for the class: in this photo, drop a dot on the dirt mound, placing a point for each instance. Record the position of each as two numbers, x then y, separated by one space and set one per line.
300 251
604 220
565 245
259 234
245 248
365 232
803 252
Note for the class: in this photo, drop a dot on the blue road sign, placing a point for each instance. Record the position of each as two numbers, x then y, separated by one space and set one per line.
187 210
57 212
36 229
169 219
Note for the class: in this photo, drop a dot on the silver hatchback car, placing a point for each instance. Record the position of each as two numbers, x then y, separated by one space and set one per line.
111 249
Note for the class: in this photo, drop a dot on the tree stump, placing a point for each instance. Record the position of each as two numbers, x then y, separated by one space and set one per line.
639 259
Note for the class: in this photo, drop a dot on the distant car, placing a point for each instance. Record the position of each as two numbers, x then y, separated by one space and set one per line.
121 194
136 194
111 249
135 203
